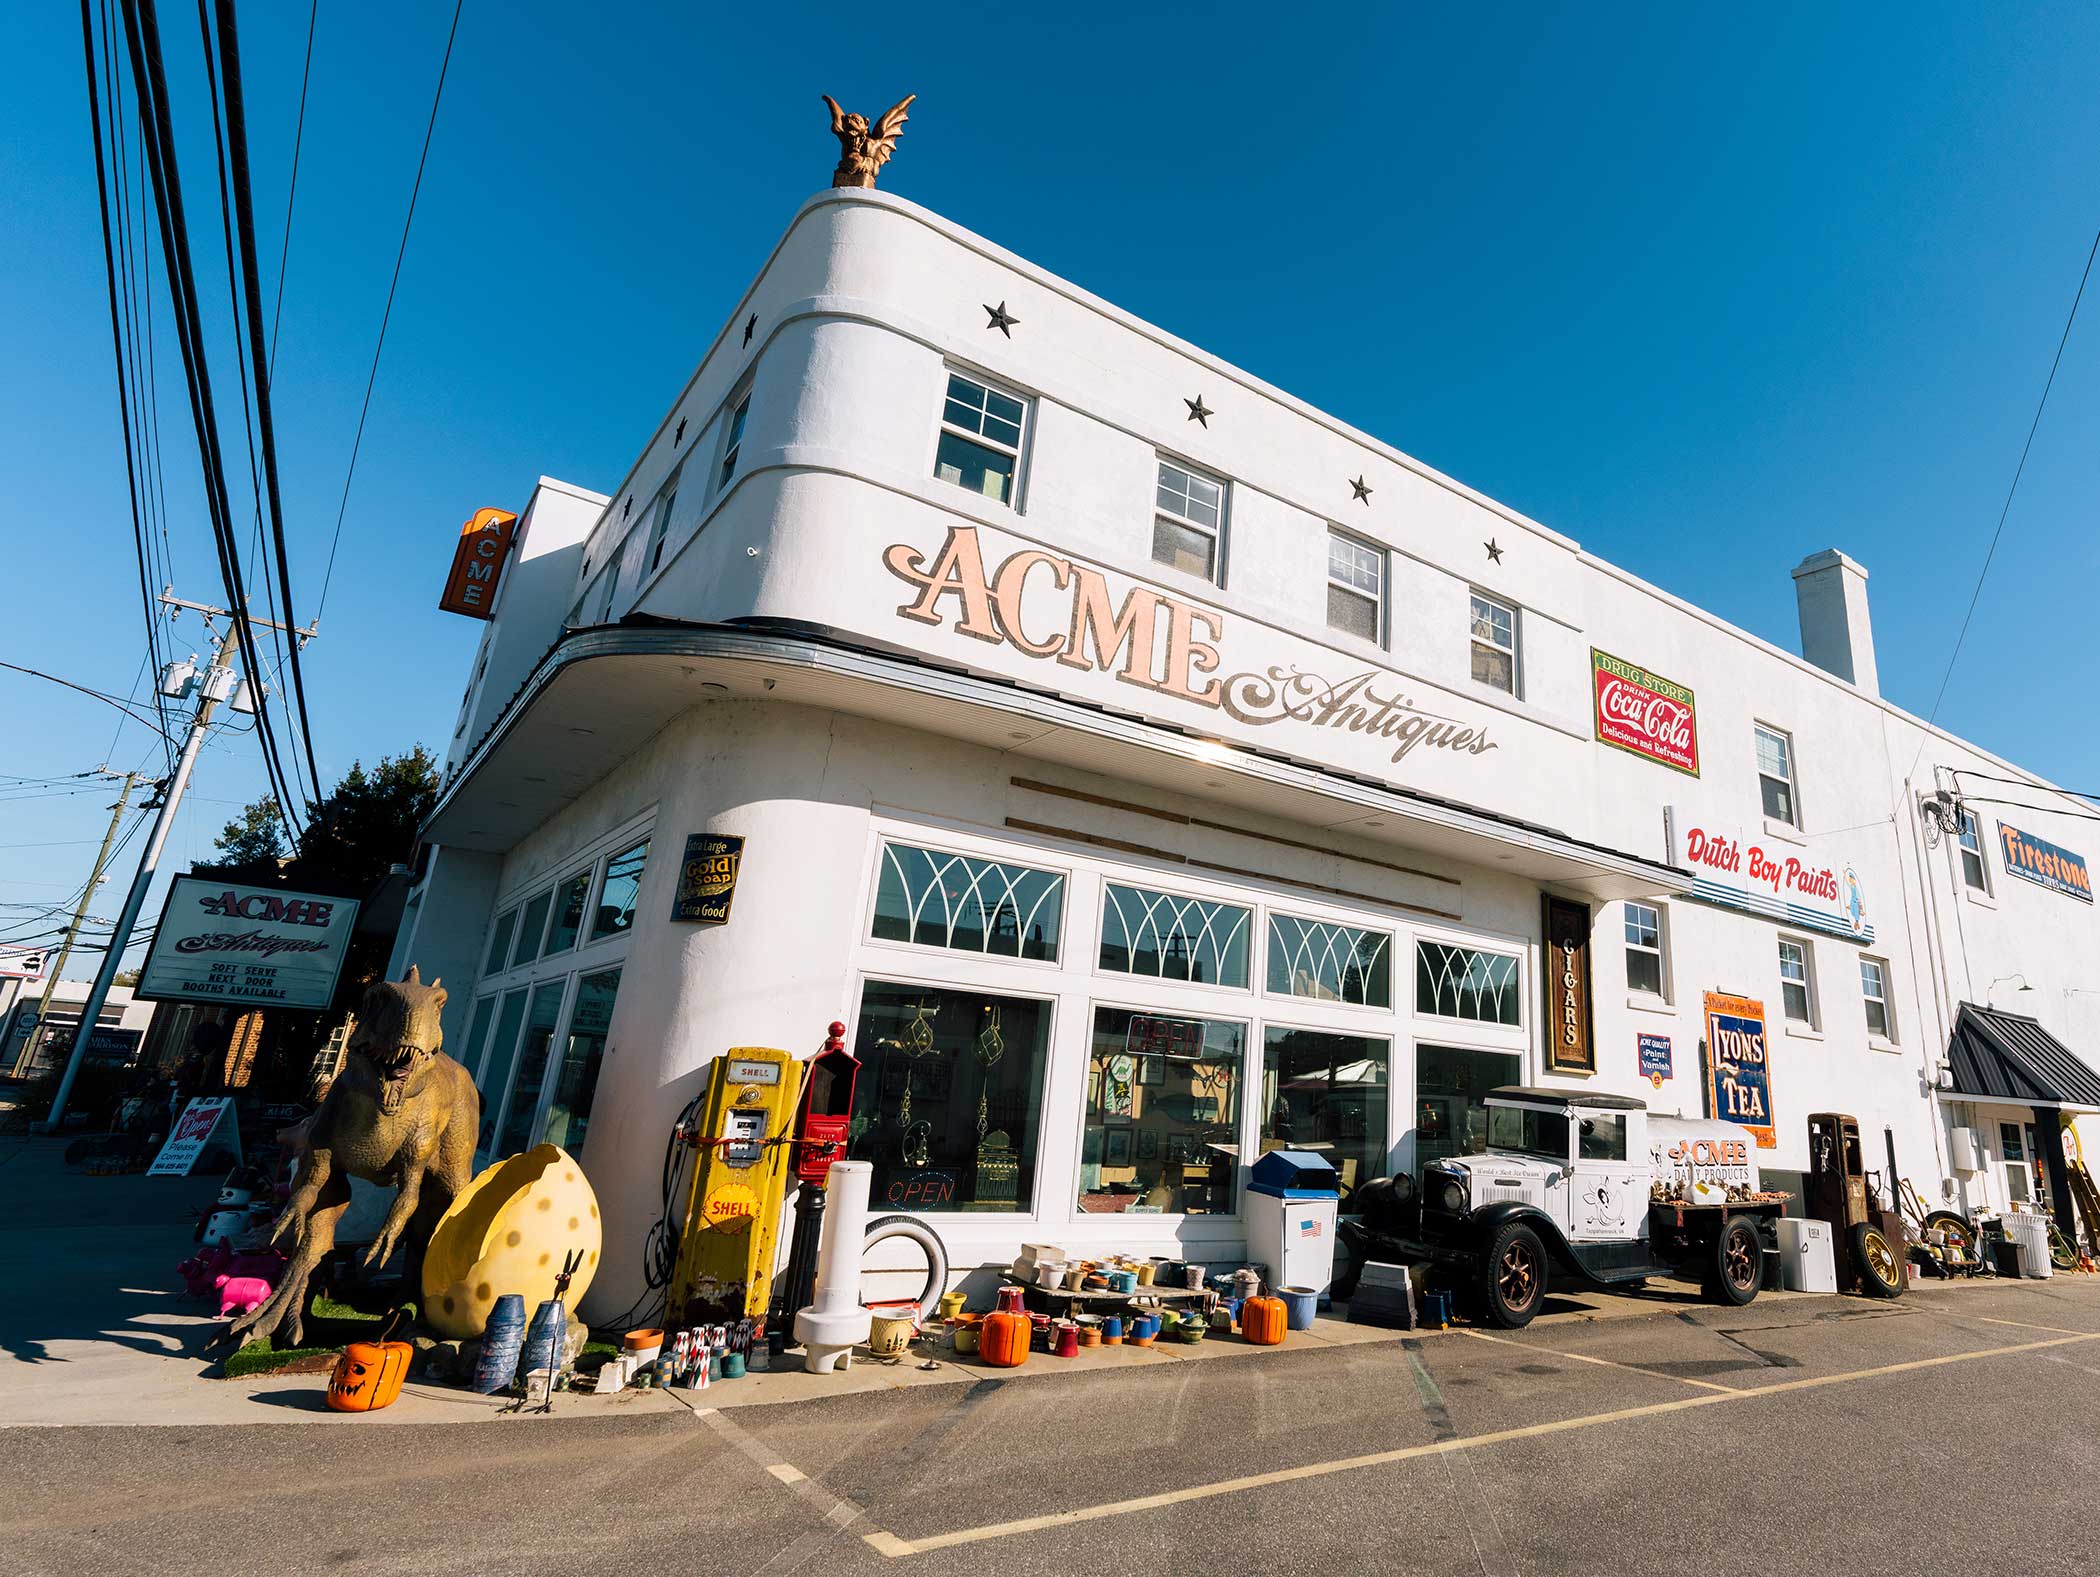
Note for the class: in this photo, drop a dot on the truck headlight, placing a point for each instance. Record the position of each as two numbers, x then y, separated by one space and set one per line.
1446 1192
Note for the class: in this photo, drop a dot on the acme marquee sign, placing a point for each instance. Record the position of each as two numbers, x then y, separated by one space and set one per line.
1154 642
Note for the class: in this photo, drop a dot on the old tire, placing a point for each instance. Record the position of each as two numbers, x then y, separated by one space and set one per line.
1514 1280
1881 1272
915 1230
1736 1272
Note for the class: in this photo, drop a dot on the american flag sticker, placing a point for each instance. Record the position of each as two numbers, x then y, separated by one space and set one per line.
1310 1227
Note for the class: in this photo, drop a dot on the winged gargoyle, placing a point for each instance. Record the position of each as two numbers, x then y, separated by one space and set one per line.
400 1114
863 150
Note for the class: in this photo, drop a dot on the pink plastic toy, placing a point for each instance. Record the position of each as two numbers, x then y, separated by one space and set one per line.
241 1294
201 1272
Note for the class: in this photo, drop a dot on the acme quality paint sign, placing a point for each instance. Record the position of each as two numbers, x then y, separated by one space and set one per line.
2036 860
1064 611
1645 713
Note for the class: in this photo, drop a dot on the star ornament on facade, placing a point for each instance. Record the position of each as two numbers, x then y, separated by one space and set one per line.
1361 489
1494 552
1000 319
1199 413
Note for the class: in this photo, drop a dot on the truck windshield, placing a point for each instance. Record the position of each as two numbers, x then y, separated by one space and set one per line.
1526 1129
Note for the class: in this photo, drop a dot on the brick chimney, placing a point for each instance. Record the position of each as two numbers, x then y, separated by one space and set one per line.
1836 633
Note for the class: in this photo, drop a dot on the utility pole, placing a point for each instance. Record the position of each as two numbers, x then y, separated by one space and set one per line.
215 684
65 951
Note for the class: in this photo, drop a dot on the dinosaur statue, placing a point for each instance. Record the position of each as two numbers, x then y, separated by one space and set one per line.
401 1114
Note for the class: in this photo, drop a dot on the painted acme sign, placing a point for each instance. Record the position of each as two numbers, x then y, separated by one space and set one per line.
1153 642
256 946
477 564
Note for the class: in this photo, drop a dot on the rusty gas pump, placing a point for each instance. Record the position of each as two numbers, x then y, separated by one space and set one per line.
821 1133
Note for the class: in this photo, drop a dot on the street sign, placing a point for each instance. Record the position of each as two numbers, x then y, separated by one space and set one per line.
201 1120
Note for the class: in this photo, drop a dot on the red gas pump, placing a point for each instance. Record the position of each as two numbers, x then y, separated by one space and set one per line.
821 1132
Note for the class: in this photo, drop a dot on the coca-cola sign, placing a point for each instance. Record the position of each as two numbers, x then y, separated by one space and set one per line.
1645 713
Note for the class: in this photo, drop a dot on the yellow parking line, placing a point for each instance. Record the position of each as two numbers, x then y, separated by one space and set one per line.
2024 1325
1605 1363
892 1545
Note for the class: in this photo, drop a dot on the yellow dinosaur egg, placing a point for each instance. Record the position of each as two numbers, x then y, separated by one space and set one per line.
509 1231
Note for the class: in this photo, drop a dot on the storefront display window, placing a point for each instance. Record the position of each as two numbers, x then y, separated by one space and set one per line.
1173 938
949 1097
1466 982
499 943
1327 1093
1161 1131
502 1054
623 880
531 929
568 912
1334 963
576 1081
516 1134
1451 1084
936 899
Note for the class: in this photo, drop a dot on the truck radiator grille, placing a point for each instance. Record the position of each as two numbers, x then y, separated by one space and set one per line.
1493 1190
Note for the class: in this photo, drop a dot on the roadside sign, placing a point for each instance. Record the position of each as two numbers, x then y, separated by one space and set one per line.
200 1122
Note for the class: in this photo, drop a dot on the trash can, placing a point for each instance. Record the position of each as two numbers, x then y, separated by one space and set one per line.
1292 1199
2031 1232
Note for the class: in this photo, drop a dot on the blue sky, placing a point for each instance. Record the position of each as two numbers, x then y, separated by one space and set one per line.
1706 292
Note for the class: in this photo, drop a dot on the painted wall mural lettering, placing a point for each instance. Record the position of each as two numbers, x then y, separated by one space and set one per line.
1155 642
2043 863
1644 713
1738 872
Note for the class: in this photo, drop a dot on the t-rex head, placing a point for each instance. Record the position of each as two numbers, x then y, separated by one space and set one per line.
398 1032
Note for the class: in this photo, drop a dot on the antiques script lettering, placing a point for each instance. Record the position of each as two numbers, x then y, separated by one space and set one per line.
1099 635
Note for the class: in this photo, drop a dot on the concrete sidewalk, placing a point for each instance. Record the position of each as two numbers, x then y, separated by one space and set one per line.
96 1330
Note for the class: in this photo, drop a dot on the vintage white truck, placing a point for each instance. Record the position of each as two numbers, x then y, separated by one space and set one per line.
1580 1188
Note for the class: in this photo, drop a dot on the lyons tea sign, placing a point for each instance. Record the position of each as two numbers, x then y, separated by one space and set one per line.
1739 1066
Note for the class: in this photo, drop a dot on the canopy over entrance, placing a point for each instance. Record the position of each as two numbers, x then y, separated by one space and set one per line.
1998 1056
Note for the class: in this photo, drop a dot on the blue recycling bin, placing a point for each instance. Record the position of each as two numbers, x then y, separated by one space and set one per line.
1293 1197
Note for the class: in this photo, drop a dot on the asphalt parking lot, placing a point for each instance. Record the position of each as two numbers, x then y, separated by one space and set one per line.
1946 1432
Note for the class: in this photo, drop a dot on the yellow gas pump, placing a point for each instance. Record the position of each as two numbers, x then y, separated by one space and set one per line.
745 1137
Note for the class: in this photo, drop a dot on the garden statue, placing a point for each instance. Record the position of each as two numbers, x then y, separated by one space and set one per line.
401 1114
864 150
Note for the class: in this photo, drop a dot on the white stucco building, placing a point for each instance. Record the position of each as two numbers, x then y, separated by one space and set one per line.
1149 768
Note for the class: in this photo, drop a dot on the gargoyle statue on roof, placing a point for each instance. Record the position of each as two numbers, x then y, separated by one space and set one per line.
864 150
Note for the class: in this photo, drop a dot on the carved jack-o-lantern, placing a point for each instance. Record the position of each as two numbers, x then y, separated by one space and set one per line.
368 1376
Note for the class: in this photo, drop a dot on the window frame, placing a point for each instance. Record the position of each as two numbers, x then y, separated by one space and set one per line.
1381 562
660 519
1515 649
942 844
1518 951
1017 452
1253 911
1191 474
1886 1035
1273 912
1791 782
735 417
1968 845
1660 951
1251 1025
1814 1021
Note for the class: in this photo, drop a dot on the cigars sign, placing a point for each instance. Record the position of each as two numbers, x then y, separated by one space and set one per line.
1645 713
1063 611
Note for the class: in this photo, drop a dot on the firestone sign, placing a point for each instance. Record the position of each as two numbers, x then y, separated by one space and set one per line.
1154 642
1644 713
1731 868
247 946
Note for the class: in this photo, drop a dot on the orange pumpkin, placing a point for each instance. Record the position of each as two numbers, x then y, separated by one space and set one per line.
1003 1339
1263 1321
368 1376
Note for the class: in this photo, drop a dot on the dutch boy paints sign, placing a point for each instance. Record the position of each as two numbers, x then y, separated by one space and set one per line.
1782 881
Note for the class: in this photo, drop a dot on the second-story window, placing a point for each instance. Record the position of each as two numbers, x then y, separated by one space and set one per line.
1494 630
1355 586
1644 948
1797 982
733 438
660 525
1189 512
1775 774
1874 994
980 445
1973 871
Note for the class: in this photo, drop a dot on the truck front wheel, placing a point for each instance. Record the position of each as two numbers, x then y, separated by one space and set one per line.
1516 1276
1737 1269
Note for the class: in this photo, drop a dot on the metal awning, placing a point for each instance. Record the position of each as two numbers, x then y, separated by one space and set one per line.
600 693
1999 1056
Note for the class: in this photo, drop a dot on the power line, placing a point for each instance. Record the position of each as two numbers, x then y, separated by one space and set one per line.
386 317
237 136
101 695
2018 471
2025 783
291 195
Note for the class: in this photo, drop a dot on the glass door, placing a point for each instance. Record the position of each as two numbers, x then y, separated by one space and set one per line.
519 1113
1327 1093
576 1081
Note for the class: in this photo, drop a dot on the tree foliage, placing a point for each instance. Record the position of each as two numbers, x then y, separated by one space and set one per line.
366 823
254 837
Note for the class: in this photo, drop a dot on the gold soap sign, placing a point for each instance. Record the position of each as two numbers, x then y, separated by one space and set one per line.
707 878
1570 1044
